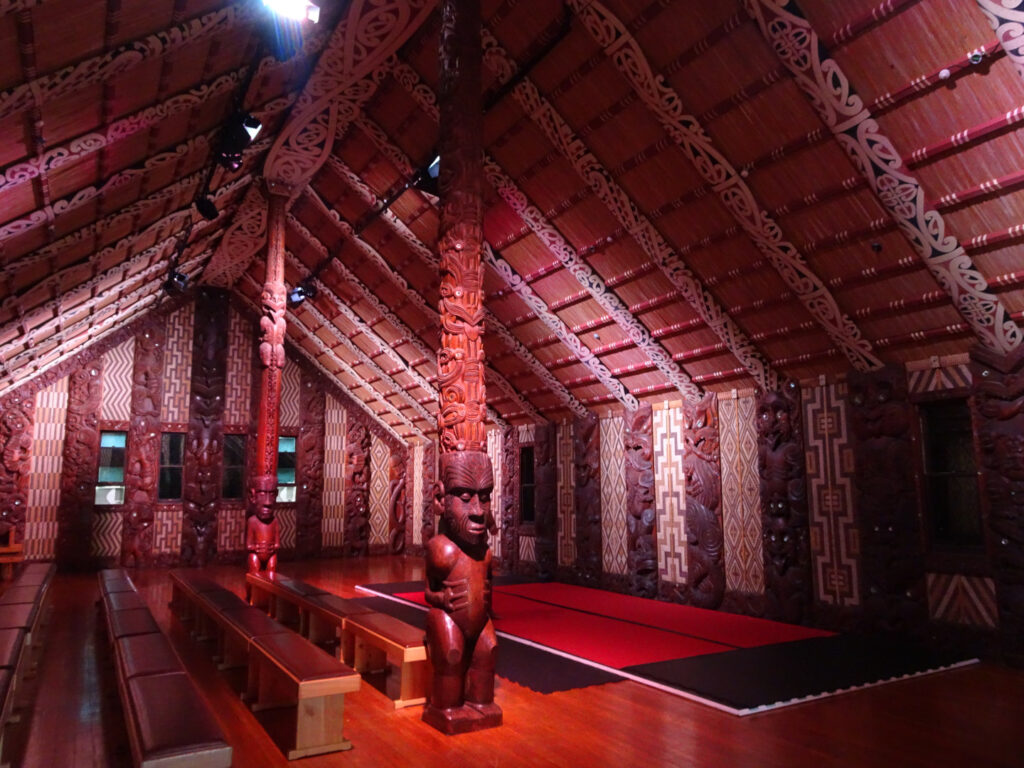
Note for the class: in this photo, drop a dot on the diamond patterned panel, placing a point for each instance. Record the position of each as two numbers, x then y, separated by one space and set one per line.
334 473
613 496
741 495
380 461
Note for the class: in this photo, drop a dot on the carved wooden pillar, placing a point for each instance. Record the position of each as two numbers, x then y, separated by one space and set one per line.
204 453
397 503
641 520
17 414
587 465
142 467
545 505
309 508
784 518
702 470
357 486
891 551
998 389
509 498
81 463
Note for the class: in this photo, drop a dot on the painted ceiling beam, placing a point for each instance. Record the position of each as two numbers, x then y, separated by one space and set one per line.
664 103
834 98
650 240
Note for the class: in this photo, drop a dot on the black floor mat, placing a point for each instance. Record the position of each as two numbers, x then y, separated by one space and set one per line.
753 678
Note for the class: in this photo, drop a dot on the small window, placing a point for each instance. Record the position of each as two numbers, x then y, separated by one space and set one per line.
110 479
953 514
233 482
286 469
172 454
526 499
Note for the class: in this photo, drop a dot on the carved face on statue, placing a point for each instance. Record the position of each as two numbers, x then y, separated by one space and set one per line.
468 479
262 495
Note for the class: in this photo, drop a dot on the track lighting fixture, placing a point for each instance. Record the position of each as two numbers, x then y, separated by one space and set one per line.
239 132
176 282
304 290
425 179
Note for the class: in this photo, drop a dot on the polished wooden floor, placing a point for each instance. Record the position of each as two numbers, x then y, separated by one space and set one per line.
71 718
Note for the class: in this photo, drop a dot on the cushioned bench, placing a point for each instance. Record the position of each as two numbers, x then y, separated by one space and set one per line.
131 621
185 587
237 627
323 618
380 642
26 594
288 670
282 596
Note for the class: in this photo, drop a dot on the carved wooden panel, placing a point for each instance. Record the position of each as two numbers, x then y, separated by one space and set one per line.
398 506
357 487
509 497
429 486
142 465
998 388
81 461
412 478
891 553
545 475
17 415
638 439
587 496
702 470
309 510
785 527
204 441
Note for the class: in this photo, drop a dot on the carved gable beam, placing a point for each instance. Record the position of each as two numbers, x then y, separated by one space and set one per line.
689 135
371 31
600 180
1006 18
832 95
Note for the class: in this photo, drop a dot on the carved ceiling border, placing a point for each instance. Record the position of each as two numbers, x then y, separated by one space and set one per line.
833 97
1007 20
593 173
664 103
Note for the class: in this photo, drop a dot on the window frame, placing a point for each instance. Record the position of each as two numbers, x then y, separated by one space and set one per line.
285 486
242 466
527 490
101 484
180 467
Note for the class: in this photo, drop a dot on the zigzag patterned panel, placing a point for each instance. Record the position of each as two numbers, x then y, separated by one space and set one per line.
566 496
106 534
527 549
380 460
527 434
231 527
178 366
494 452
167 521
47 465
835 543
117 382
741 495
959 599
937 379
241 338
334 473
417 493
613 497
286 521
670 494
291 385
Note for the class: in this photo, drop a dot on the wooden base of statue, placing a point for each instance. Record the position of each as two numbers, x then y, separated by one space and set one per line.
464 719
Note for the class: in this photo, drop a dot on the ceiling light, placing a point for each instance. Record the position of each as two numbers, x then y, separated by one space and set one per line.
176 282
300 293
425 179
296 10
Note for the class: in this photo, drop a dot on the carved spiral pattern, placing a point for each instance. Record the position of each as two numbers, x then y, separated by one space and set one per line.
16 422
641 520
509 497
357 488
702 472
398 507
1007 20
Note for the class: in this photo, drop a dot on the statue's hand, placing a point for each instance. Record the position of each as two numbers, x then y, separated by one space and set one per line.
456 594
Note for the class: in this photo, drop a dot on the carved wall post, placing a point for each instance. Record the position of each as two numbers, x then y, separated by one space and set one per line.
998 388
545 505
891 551
397 503
309 509
509 498
702 470
81 463
17 414
357 486
429 488
587 460
784 518
641 520
142 467
461 641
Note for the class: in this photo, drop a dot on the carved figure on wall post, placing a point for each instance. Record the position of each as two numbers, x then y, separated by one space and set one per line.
587 466
641 519
16 425
509 498
309 511
357 487
784 518
396 504
262 533
702 472
431 491
545 505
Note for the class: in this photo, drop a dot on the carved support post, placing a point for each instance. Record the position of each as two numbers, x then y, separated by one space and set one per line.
142 468
461 641
702 472
309 508
785 528
81 463
397 503
545 505
17 414
357 487
891 551
509 499
641 520
998 389
204 443
262 534
587 460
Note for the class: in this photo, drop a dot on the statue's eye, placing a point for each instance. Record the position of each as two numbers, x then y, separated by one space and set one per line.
467 496
484 498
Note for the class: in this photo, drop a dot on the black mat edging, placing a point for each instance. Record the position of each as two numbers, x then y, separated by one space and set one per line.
398 587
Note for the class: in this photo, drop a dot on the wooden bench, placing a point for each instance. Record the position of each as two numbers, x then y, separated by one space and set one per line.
282 596
186 586
288 670
380 642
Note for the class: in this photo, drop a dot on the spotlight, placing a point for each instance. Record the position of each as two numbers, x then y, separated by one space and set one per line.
300 293
425 179
206 208
176 282
239 132
296 10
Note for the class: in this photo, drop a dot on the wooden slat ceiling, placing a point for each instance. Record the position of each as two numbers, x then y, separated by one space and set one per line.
674 204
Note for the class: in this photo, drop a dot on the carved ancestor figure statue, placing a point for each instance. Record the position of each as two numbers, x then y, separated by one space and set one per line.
461 642
262 535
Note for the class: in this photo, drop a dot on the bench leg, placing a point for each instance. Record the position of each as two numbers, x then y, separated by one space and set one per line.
318 727
407 683
368 658
347 647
